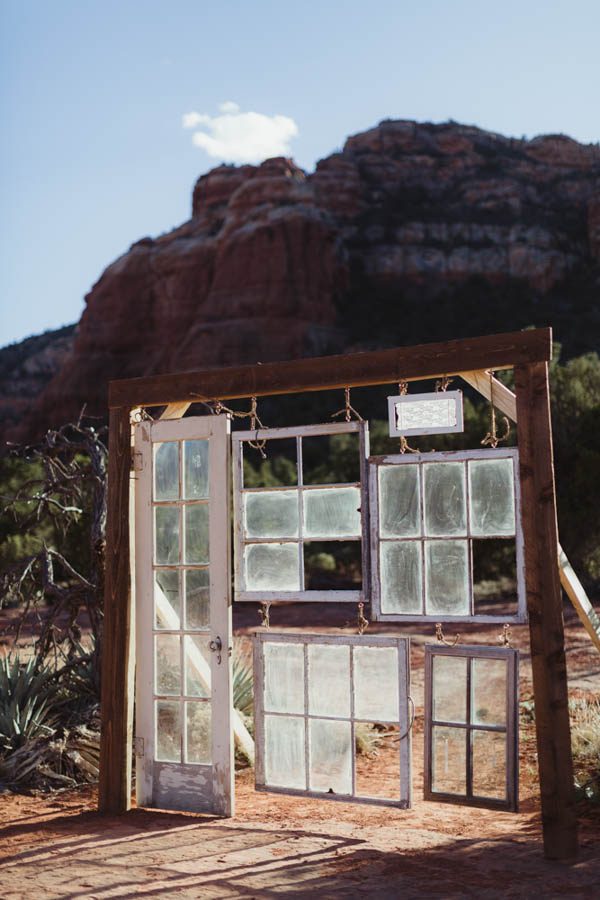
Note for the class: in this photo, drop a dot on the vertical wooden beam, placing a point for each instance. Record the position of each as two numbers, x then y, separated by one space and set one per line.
117 645
544 605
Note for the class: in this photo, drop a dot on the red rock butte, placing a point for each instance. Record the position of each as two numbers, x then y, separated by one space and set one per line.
275 263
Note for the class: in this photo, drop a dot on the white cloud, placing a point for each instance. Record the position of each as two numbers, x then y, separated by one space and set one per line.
234 136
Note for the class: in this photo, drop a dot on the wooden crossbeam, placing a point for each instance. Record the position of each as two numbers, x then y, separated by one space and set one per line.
500 351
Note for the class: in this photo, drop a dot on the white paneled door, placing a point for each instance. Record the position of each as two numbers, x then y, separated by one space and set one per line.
184 742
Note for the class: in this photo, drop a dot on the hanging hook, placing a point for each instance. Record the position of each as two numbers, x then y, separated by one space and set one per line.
492 439
264 613
255 425
362 622
404 445
505 637
348 410
439 634
443 384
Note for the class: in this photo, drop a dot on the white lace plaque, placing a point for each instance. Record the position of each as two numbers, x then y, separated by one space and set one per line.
436 413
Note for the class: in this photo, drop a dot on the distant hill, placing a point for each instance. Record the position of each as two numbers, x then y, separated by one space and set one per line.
413 232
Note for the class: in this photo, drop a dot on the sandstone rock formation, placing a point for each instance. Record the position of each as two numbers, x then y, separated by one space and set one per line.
412 232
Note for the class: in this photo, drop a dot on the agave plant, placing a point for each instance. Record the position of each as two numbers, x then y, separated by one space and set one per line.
28 700
243 687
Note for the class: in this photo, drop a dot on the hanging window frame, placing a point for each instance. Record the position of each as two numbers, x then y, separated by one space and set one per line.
239 438
404 720
376 540
469 727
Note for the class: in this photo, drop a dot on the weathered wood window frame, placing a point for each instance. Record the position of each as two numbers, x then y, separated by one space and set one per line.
403 720
376 463
469 727
239 438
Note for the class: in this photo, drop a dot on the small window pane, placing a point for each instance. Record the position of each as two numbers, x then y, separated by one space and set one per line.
197 666
401 578
272 567
284 677
449 760
332 513
167 602
166 535
168 664
332 565
166 471
376 684
284 752
195 468
168 731
399 501
328 680
196 534
377 769
489 764
449 695
198 733
330 756
492 497
271 514
447 567
197 598
488 687
445 506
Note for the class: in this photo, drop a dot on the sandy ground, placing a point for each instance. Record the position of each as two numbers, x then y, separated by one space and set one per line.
275 846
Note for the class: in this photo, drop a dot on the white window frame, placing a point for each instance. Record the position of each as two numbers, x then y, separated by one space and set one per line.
510 729
403 721
375 462
298 433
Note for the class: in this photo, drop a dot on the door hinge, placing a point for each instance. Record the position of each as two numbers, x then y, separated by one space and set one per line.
137 461
138 746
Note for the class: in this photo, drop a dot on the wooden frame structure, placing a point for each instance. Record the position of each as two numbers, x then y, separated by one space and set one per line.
529 353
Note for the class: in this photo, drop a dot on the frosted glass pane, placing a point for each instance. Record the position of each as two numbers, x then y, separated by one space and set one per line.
399 501
449 689
168 731
447 567
445 506
272 567
197 598
330 756
197 666
271 514
196 534
488 687
284 677
401 577
329 680
167 602
449 760
492 497
166 535
437 412
376 684
198 733
284 752
167 664
489 764
332 513
166 471
195 470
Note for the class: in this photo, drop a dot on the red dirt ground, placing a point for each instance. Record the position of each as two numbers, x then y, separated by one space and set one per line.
57 846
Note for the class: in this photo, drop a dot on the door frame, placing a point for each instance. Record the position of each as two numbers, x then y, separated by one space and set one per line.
179 784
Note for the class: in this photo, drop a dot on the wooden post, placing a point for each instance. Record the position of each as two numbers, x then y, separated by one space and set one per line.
544 605
117 645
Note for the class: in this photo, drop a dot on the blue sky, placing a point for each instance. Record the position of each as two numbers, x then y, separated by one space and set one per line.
94 155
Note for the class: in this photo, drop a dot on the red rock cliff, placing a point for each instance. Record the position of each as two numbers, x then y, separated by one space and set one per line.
412 232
